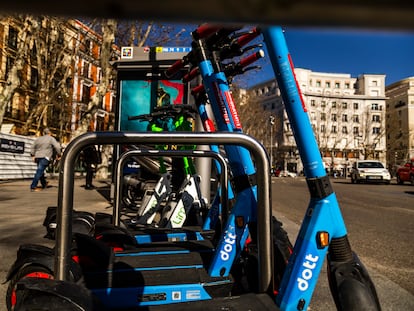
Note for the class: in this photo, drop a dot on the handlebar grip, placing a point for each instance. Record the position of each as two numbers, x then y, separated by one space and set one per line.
174 68
251 58
191 75
197 89
243 40
205 30
140 117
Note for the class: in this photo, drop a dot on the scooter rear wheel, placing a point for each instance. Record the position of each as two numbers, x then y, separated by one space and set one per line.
30 271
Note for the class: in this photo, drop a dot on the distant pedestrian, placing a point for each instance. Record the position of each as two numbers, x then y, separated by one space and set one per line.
90 160
42 152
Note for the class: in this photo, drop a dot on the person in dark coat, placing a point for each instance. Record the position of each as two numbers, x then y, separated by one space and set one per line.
90 157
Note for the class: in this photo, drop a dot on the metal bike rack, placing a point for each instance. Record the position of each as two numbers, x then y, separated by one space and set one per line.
66 186
160 153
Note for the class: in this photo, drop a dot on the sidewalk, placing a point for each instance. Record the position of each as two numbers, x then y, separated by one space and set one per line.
22 213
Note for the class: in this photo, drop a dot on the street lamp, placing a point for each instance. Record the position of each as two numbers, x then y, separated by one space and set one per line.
272 122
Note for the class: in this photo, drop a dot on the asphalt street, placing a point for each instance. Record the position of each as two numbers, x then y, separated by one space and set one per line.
379 219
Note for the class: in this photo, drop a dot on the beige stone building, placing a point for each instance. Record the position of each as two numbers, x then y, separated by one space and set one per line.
346 113
400 121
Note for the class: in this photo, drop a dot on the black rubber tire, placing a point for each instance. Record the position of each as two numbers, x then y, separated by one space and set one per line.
22 273
282 249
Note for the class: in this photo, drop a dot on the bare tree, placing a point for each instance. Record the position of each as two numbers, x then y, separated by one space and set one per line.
374 132
15 60
36 72
141 33
255 119
53 67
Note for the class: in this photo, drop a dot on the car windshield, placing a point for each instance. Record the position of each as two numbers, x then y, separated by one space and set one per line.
370 165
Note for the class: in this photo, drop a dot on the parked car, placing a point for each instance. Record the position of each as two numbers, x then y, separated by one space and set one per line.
287 174
276 172
406 173
369 171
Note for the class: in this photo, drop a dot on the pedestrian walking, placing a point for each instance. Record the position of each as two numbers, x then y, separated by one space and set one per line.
42 152
90 160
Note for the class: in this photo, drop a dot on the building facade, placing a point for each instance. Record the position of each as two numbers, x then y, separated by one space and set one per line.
400 121
50 71
347 115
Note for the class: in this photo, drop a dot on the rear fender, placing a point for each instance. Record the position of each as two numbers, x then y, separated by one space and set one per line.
33 254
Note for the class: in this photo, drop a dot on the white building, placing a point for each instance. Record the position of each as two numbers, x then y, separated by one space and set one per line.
400 121
347 115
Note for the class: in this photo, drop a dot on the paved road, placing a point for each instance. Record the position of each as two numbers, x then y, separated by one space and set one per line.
380 223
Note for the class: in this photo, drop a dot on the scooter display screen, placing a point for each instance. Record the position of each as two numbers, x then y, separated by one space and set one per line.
139 97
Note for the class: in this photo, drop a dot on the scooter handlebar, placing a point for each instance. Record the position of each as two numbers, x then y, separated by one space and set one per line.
244 39
205 30
251 58
177 66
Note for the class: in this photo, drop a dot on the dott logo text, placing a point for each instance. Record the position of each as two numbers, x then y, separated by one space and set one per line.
309 264
228 247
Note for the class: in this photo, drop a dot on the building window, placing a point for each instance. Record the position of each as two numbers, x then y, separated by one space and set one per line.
333 104
355 118
355 130
375 118
344 130
323 116
333 117
356 106
12 39
323 129
86 94
323 104
333 129
288 128
318 83
376 130
34 78
327 84
33 51
344 118
374 83
337 85
344 105
375 107
9 65
313 103
85 70
347 85
61 38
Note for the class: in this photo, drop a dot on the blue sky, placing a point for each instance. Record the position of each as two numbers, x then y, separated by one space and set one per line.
353 51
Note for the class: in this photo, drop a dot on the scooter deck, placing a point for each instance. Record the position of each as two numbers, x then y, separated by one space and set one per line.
244 302
157 264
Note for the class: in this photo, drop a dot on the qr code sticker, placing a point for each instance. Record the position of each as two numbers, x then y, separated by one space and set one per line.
176 295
